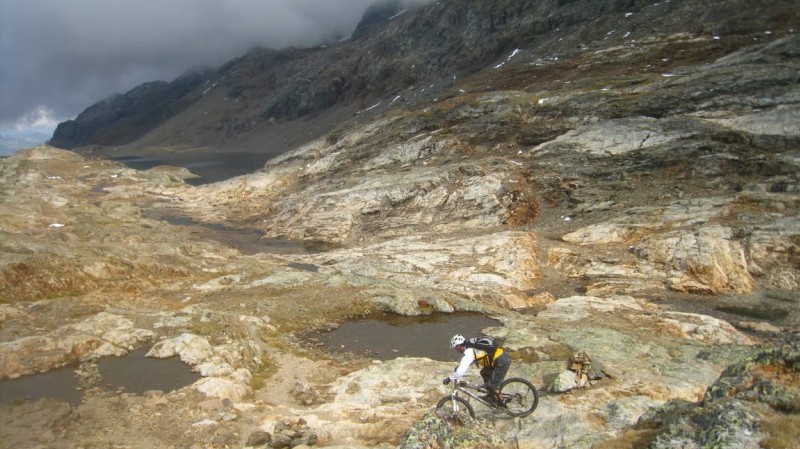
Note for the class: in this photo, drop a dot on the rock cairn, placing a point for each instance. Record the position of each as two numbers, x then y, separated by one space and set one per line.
288 433
581 372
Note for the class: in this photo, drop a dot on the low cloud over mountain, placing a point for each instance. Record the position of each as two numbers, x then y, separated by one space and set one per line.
63 56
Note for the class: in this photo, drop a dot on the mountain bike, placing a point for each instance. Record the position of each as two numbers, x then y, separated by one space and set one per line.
519 399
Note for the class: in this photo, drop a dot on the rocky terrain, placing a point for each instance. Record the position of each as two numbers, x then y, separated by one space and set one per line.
626 185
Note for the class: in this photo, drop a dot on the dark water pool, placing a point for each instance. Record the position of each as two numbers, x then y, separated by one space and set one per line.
133 373
760 313
246 241
210 166
387 336
136 373
61 383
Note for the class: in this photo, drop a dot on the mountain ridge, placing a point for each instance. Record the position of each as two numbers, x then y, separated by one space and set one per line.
626 188
413 57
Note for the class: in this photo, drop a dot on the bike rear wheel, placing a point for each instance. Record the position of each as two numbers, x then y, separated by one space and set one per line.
454 407
520 396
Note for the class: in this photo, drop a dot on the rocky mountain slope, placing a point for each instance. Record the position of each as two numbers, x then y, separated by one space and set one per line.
616 178
271 100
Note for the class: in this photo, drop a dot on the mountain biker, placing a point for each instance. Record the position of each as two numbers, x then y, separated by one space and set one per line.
494 365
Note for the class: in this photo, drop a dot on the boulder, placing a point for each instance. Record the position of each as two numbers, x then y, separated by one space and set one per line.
191 348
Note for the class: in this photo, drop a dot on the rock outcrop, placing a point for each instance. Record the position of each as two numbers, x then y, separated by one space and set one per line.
410 59
621 186
749 403
123 118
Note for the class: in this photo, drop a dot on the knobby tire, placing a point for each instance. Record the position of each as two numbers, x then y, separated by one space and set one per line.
521 395
448 407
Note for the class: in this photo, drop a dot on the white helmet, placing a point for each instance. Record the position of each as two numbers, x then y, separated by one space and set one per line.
456 340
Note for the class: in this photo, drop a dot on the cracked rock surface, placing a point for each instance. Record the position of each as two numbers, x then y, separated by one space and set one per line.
636 199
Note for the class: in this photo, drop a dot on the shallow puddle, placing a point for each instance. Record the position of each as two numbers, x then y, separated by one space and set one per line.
246 241
61 384
761 313
133 373
390 336
136 373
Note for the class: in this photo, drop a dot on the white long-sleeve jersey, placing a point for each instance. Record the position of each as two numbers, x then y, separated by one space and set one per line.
467 359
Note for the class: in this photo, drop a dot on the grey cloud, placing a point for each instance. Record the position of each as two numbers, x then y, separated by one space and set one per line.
66 55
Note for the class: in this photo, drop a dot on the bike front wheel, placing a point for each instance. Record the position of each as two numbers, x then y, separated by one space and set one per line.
520 396
454 407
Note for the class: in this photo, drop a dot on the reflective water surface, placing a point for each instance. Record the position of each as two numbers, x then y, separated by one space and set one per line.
211 167
133 373
388 336
61 383
136 373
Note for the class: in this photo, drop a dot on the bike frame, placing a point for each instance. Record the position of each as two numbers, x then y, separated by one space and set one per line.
464 387
520 401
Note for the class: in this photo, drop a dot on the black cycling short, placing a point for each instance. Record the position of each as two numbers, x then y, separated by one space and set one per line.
493 376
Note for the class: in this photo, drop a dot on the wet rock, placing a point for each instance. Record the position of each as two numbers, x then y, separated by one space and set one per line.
88 375
304 439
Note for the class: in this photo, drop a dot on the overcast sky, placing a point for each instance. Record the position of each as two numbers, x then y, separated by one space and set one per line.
58 57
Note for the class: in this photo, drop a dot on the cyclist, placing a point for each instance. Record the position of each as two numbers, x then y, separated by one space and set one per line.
494 363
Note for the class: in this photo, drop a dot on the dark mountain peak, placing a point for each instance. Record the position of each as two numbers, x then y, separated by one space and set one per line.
122 118
401 53
376 16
